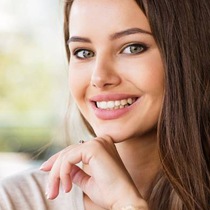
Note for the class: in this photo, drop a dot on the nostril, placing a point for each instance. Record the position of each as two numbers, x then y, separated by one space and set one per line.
106 78
100 83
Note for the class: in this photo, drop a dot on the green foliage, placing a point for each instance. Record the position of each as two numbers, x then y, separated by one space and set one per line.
24 139
31 75
25 85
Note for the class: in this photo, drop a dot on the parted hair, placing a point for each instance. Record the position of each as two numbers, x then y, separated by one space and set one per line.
181 29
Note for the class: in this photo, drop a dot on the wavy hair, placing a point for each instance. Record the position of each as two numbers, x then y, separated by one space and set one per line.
181 30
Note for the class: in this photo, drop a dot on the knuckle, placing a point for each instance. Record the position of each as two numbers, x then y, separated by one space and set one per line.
63 153
97 143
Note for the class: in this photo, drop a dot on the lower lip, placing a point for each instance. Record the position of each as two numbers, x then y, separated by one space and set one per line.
104 114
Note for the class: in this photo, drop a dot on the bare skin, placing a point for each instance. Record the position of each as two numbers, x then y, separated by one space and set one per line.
116 60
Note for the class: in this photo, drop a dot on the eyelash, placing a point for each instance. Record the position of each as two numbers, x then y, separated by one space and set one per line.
135 45
75 53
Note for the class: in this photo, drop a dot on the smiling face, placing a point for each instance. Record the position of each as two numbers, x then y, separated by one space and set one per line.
116 72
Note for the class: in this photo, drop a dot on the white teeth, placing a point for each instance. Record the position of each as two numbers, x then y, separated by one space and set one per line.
123 102
130 101
110 104
103 104
119 104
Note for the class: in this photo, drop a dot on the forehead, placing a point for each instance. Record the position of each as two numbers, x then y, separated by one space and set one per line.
106 15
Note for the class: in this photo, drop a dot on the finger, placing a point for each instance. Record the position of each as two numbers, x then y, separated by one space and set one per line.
54 179
65 176
53 188
79 177
47 165
61 169
68 169
73 174
65 168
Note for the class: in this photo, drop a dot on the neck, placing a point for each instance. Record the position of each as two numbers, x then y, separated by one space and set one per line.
140 157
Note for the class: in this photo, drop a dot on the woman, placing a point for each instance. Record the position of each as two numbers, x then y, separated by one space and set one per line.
139 74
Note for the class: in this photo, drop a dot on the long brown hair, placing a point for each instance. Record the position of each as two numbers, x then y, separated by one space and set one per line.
182 32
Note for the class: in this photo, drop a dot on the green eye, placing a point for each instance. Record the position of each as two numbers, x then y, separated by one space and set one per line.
83 54
134 49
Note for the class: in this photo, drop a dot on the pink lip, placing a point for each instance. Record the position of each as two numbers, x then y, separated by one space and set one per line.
111 114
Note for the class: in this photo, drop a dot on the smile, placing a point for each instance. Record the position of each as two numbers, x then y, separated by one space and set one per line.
113 105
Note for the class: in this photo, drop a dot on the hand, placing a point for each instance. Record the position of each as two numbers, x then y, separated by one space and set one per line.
108 183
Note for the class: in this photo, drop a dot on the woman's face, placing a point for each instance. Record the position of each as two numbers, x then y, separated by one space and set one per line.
116 72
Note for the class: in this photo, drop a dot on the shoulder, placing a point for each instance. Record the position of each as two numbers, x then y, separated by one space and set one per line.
26 179
27 191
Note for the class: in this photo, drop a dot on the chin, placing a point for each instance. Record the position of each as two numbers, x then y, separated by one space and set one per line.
121 135
116 136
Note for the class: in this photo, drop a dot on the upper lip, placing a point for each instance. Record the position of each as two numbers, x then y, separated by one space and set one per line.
111 97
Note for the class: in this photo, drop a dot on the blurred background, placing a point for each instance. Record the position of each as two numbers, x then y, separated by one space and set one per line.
33 83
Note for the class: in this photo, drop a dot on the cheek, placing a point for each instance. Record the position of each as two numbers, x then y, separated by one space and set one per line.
148 74
77 82
153 81
155 76
148 84
74 91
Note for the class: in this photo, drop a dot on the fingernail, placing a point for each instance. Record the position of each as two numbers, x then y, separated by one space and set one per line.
63 189
47 192
47 195
42 166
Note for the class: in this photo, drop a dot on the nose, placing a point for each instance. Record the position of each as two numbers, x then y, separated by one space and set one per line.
105 74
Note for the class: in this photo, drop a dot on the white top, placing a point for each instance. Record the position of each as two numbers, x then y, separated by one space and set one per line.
26 191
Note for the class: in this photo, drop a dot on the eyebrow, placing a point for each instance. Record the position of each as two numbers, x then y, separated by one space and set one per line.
129 32
114 36
78 39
